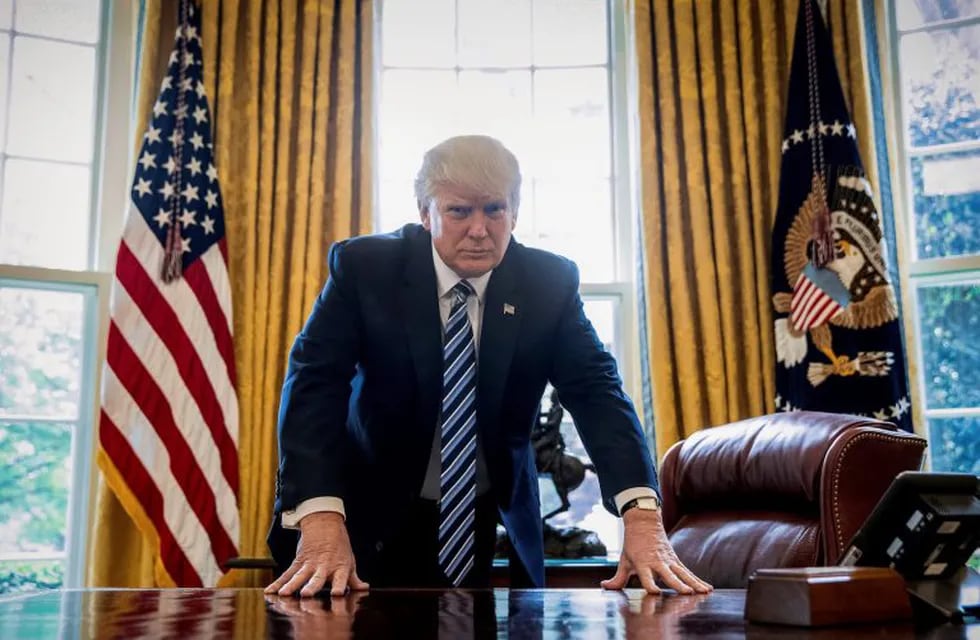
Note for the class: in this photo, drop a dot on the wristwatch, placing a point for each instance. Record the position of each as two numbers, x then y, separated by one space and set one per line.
647 503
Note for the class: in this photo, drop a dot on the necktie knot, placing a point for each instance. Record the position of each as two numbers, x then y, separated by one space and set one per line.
461 292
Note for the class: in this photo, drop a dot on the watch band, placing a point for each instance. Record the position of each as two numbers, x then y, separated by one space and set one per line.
647 503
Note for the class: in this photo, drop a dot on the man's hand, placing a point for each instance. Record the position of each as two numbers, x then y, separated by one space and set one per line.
647 553
323 554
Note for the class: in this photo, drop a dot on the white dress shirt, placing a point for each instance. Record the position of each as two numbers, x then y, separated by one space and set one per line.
446 279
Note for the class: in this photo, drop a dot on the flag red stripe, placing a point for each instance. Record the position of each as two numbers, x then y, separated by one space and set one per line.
816 301
806 294
197 278
157 409
141 484
164 321
820 308
827 312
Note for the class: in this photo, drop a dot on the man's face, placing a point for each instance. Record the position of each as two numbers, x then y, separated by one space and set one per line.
470 231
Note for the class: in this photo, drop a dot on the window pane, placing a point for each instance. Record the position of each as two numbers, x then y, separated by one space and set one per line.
35 472
396 204
946 202
949 320
52 100
910 13
44 219
20 576
602 312
418 33
40 352
494 34
498 103
954 444
574 219
6 13
581 39
571 110
418 110
4 85
942 85
66 19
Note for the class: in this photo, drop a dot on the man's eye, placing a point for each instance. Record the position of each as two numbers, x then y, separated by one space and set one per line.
494 209
458 212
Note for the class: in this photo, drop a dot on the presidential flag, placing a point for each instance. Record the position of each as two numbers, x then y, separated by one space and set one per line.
168 431
838 340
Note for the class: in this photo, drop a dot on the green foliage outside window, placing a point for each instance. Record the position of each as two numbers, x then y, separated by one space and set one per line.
23 577
40 348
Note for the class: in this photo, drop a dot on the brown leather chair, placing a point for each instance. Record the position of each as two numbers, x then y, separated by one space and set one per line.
783 490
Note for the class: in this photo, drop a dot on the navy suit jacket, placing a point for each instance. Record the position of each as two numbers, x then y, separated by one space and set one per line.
360 401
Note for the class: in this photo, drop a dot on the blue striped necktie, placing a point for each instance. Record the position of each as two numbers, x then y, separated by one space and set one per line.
457 481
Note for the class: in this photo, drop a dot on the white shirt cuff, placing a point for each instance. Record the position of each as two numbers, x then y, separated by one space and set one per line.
626 495
290 519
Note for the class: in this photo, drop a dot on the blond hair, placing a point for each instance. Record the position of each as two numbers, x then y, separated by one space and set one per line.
479 163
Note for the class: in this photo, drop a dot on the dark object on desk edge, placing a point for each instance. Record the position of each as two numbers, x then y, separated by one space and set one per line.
926 526
560 543
249 563
823 596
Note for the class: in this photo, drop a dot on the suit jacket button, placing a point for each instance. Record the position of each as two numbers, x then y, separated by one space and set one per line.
379 546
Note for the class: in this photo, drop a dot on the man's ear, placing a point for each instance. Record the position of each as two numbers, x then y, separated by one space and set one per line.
424 215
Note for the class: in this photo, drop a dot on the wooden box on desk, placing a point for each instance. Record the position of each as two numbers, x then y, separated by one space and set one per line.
819 596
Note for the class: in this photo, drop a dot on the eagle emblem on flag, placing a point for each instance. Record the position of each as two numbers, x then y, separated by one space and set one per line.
851 290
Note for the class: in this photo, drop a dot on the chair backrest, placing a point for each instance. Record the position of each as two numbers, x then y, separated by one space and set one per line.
782 490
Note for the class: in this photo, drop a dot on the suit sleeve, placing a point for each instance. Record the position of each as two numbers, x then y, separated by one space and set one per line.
590 387
316 391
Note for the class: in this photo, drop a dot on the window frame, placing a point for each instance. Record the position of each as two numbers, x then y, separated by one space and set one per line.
918 273
110 177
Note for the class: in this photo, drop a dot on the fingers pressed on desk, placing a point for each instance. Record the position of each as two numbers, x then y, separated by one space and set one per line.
338 583
315 582
284 578
646 579
298 579
355 582
670 578
619 580
696 583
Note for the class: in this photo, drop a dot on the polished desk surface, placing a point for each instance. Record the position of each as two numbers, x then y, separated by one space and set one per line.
381 613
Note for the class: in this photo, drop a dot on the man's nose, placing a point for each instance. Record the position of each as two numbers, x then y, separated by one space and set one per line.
478 225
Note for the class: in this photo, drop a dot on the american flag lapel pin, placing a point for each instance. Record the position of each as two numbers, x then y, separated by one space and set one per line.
509 309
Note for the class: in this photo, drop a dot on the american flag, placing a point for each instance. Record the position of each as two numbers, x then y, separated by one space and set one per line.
169 423
818 296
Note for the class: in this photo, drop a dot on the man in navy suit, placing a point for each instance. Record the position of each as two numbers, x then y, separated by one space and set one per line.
407 407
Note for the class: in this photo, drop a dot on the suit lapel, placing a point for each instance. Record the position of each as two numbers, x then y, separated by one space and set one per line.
501 323
420 305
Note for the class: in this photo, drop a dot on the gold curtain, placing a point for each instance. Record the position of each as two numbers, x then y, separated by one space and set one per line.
712 80
289 86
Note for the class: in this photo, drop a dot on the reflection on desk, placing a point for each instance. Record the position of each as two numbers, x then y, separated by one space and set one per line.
382 613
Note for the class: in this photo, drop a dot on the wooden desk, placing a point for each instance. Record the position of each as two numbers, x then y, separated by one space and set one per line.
545 613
